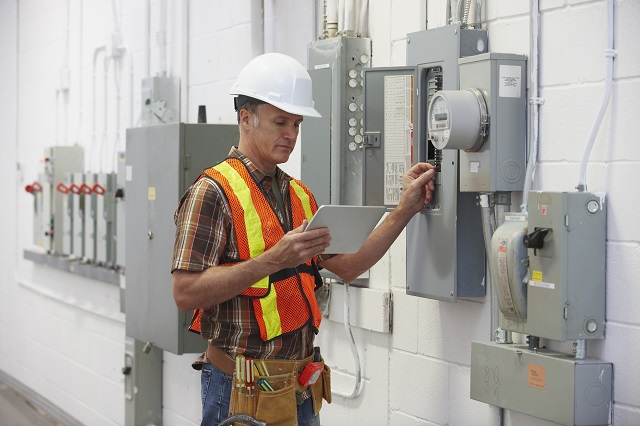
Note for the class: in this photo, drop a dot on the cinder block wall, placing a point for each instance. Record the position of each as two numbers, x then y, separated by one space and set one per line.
63 336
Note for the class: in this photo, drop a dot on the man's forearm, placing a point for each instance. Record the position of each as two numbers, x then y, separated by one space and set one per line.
217 284
351 266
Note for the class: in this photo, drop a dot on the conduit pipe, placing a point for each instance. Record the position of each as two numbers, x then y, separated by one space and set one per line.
534 102
609 54
94 136
363 20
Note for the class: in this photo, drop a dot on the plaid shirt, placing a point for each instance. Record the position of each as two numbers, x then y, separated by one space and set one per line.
205 237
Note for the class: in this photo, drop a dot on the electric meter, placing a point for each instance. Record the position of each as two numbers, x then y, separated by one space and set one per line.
458 119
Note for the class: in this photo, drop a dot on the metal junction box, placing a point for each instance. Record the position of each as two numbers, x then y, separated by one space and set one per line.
499 164
544 384
161 163
105 219
78 215
566 291
445 248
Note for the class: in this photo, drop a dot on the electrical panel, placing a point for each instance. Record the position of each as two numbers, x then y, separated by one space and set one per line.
50 192
120 211
90 214
64 188
142 383
105 189
332 152
162 161
542 383
78 214
445 246
160 100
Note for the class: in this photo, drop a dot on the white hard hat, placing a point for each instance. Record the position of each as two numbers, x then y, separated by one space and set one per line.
278 80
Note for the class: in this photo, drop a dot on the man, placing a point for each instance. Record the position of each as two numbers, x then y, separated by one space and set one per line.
240 241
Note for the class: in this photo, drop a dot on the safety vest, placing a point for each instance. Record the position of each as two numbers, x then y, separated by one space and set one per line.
284 301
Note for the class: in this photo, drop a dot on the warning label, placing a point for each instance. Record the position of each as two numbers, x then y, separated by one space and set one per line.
537 377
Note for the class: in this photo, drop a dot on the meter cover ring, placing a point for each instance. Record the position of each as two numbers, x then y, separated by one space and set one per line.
484 121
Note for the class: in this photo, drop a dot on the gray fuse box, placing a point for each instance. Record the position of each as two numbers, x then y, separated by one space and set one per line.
161 163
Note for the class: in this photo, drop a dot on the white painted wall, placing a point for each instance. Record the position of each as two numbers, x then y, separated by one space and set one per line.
63 335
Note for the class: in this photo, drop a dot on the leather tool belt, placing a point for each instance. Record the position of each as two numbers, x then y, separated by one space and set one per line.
279 404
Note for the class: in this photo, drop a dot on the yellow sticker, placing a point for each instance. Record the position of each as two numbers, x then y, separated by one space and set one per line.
151 193
537 377
536 276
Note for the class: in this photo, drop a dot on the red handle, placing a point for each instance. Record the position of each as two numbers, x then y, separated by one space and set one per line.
61 187
98 189
74 188
85 189
34 187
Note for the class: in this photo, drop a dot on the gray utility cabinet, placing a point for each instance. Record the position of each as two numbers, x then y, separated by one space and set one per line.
161 163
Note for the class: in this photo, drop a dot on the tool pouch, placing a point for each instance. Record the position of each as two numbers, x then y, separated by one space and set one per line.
277 407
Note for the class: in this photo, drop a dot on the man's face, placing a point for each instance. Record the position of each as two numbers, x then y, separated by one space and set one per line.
273 138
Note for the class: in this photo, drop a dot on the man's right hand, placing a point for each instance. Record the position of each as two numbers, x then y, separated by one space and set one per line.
297 246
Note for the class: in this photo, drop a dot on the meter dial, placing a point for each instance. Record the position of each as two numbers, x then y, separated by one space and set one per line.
458 119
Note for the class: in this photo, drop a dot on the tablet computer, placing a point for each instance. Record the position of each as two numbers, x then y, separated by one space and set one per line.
349 226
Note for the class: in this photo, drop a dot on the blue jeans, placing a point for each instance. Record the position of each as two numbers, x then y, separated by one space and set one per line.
216 396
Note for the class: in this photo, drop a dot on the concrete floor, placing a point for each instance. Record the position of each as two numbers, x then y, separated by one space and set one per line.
15 410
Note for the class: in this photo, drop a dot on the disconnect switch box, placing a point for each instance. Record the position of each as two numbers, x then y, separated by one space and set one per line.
566 244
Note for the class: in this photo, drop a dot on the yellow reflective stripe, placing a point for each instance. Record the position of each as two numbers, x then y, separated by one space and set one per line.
263 283
270 315
304 198
252 221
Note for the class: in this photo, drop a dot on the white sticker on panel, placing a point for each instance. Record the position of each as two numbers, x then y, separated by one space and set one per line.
398 133
510 81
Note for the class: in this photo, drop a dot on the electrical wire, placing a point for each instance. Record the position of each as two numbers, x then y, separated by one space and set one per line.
354 350
609 54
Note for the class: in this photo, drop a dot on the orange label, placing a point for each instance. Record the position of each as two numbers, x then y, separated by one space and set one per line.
537 376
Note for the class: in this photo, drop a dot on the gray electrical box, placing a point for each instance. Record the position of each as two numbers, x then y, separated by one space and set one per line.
499 164
120 211
445 248
566 291
105 219
90 215
542 383
58 161
64 188
78 214
160 98
161 163
332 147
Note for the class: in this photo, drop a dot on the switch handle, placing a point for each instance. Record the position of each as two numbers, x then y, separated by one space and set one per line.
535 240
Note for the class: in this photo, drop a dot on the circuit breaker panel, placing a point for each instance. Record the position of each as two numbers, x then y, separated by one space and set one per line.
454 266
161 163
332 152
